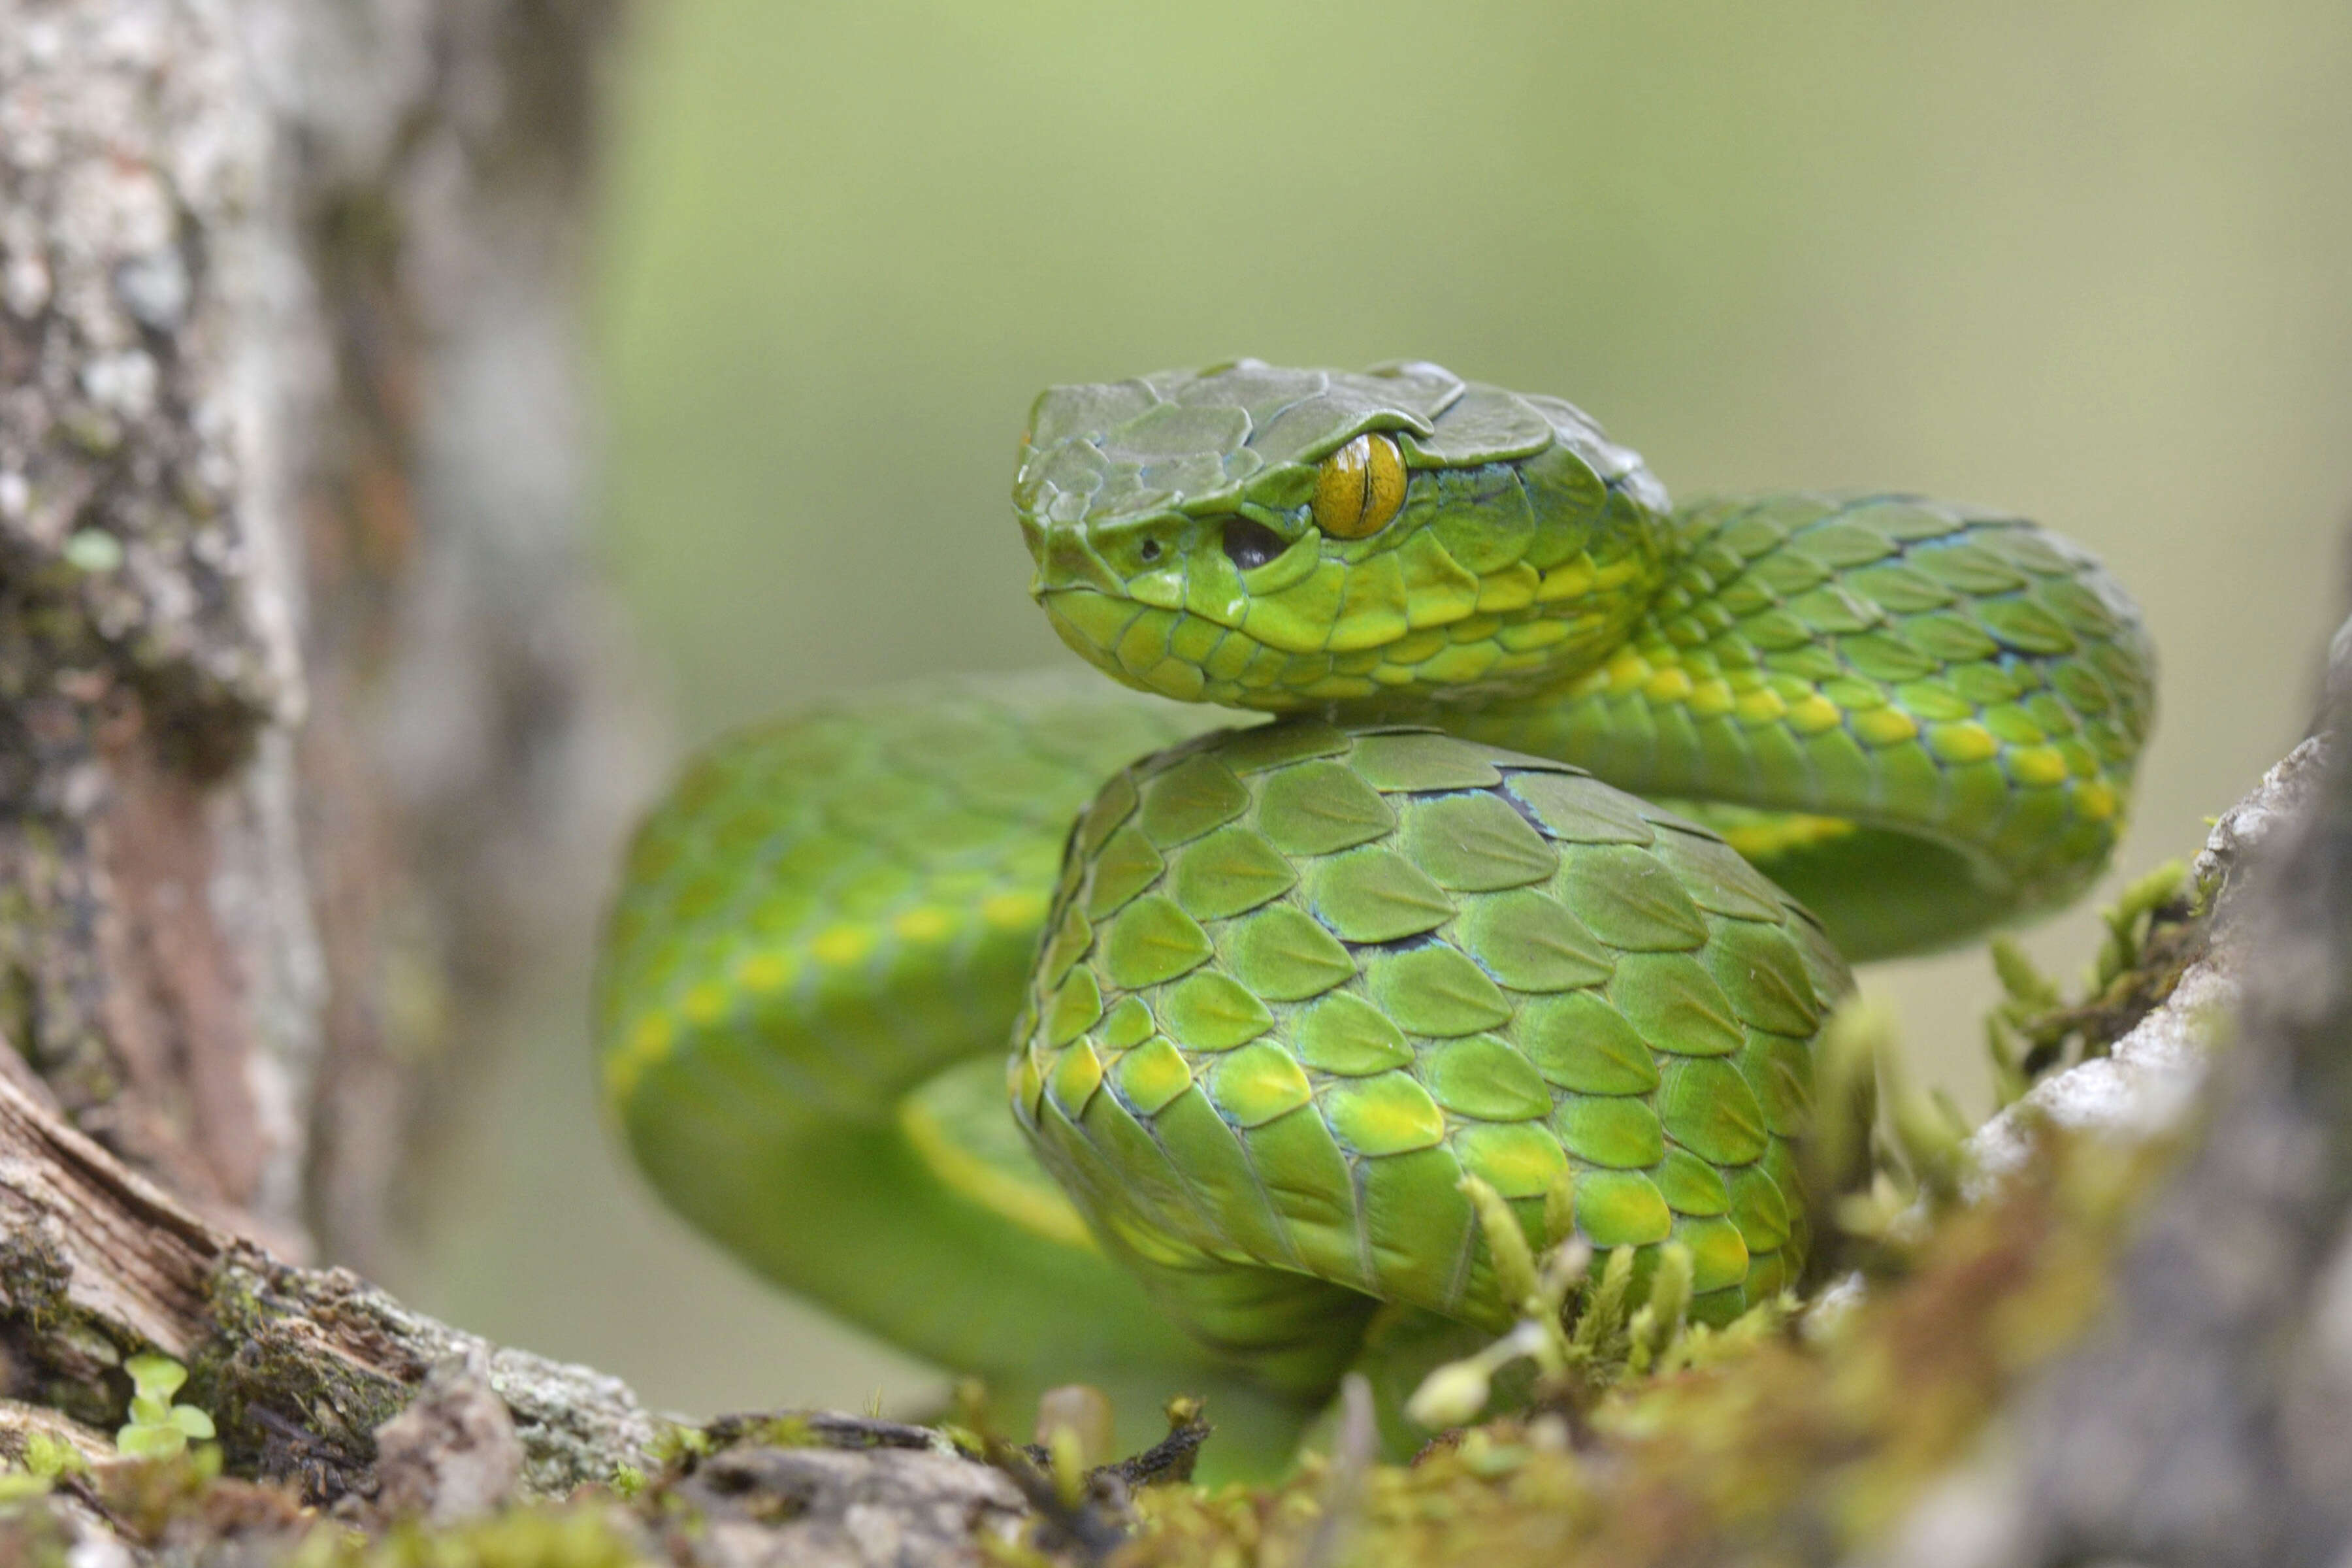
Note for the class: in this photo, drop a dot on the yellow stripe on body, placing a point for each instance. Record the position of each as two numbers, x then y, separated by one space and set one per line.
647 1044
1778 834
1036 1206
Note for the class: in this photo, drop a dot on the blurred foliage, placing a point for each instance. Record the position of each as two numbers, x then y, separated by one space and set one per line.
2080 260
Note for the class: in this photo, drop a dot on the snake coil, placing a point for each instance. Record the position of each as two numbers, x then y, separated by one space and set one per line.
1541 873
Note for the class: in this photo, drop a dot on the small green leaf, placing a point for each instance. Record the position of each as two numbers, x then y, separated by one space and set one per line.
193 1422
1931 1145
93 550
156 1375
152 1442
2009 1083
2160 887
50 1458
2020 977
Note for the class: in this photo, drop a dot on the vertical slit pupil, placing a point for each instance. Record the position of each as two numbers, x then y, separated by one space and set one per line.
1249 542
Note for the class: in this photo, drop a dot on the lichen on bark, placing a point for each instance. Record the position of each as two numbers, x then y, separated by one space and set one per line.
303 681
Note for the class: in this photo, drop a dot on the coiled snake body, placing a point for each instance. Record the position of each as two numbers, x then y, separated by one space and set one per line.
1483 899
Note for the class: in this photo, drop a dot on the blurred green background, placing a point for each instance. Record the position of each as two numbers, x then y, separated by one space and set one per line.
2086 261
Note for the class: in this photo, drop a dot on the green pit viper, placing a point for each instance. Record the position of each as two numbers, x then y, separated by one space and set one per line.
1484 897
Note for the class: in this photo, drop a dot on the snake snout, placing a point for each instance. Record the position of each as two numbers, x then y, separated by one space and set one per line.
1066 558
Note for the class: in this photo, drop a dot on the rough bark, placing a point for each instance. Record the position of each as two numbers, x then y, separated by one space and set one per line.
307 705
2147 1086
339 1394
311 724
301 1367
2208 1419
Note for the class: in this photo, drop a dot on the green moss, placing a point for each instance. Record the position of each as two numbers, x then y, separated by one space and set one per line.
1756 1441
2153 932
64 1353
786 1431
257 1362
1751 1442
679 1448
36 1276
579 1538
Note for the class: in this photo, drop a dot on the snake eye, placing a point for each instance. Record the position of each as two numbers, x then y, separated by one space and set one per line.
1360 488
1249 542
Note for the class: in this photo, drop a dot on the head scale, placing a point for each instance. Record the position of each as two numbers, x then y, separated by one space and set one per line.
1285 538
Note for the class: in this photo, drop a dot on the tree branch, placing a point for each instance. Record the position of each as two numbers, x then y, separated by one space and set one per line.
2208 1419
98 1263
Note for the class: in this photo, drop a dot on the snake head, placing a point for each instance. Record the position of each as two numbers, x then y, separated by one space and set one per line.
1304 539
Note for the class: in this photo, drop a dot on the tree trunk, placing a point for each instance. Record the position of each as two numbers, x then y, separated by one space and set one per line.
306 705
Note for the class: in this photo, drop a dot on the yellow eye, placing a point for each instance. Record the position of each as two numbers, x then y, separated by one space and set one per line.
1360 488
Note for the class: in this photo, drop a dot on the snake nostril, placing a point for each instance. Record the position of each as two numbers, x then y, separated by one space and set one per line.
1249 542
1149 552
